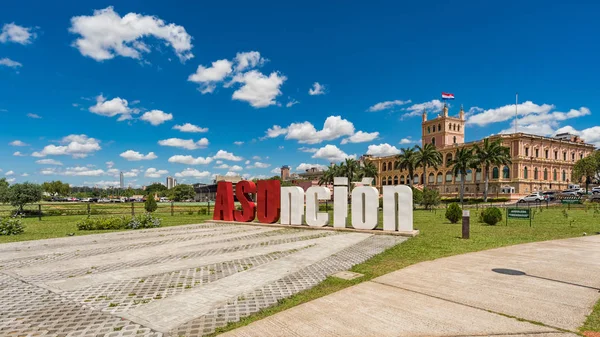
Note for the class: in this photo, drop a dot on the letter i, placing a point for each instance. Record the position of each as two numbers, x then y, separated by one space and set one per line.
340 201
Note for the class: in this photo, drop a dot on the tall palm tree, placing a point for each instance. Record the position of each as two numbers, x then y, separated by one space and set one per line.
407 160
328 175
490 153
349 168
462 162
428 156
368 170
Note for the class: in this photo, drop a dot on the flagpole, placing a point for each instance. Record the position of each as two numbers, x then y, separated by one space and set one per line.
516 107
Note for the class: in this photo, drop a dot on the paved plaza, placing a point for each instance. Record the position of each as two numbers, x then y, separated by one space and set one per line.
175 281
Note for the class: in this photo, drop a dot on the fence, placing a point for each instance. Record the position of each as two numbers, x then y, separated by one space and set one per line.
89 209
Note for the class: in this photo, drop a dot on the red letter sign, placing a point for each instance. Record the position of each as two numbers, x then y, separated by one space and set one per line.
224 202
268 198
243 188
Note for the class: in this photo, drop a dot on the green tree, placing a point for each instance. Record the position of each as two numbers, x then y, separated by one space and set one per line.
428 156
3 191
21 194
328 175
587 168
156 188
368 170
453 212
431 197
407 160
182 192
488 154
150 204
56 187
462 162
349 168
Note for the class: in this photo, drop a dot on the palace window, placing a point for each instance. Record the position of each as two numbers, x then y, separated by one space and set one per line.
537 153
395 180
448 159
383 167
383 181
459 128
525 172
535 173
440 127
458 178
416 179
526 152
478 174
448 177
565 156
573 156
390 167
546 154
402 180
564 175
434 128
433 141
554 175
389 182
454 139
469 175
440 178
429 129
581 156
431 178
556 155
495 173
545 174
506 172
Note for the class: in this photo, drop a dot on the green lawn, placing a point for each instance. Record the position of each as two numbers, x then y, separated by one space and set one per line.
438 238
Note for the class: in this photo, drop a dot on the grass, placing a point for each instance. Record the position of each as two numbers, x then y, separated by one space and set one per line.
438 238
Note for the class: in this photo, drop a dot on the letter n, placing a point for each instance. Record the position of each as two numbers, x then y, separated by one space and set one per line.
268 194
397 208
224 202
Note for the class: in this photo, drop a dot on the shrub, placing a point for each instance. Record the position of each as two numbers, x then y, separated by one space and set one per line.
112 223
9 226
491 216
325 207
417 197
203 211
143 221
453 213
150 204
431 198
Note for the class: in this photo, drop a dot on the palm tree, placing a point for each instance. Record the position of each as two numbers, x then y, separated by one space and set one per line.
407 160
463 161
328 175
349 168
428 156
368 170
490 154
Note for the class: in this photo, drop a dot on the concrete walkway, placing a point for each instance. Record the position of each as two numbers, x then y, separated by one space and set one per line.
491 293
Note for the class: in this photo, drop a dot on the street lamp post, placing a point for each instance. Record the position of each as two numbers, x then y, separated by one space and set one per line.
532 176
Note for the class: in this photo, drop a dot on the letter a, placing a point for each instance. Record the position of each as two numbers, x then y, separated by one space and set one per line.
224 202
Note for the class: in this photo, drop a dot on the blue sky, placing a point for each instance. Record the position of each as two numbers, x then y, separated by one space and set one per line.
86 83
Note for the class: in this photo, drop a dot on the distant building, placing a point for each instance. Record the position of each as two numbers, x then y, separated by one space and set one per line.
121 180
208 192
170 183
285 172
313 173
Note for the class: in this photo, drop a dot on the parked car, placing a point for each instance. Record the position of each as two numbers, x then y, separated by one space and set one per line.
596 190
164 200
535 197
104 200
86 200
549 195
569 192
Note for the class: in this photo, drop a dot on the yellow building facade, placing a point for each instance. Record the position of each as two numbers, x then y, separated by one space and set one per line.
538 163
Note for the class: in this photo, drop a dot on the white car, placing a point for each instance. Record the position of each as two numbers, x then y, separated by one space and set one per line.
596 190
569 192
532 198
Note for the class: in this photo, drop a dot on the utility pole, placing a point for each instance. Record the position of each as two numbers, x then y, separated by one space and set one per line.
516 110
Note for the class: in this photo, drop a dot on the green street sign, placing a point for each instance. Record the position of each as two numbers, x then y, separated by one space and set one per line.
575 200
518 213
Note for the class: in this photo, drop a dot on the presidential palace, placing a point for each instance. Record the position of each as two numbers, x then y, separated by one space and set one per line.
538 163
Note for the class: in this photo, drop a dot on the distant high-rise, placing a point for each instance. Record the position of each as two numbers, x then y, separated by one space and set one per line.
122 180
285 172
170 183
174 182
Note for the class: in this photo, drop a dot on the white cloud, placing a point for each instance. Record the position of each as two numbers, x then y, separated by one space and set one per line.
106 34
332 153
236 168
317 89
218 162
74 171
132 173
116 106
110 164
18 143
304 166
507 112
276 170
78 146
9 173
193 173
131 155
18 154
257 158
275 131
387 105
291 103
231 174
188 144
258 89
238 143
417 109
11 180
334 127
208 78
361 137
34 116
222 166
154 173
247 60
281 147
404 141
25 175
17 34
189 160
308 149
258 165
382 150
102 183
221 154
156 117
187 127
590 135
48 162
10 63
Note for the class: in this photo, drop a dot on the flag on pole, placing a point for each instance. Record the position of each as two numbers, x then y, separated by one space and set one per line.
446 95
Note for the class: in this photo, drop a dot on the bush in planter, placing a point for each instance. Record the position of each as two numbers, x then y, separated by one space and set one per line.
491 216
453 213
11 226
